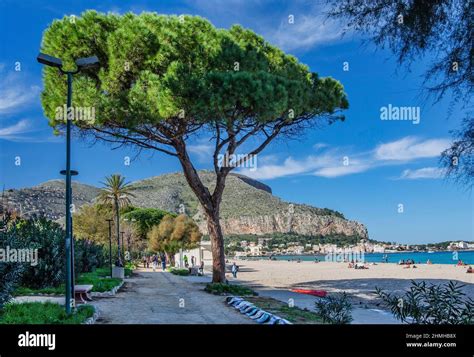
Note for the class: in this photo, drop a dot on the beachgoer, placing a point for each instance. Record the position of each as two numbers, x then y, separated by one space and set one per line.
469 270
429 262
234 270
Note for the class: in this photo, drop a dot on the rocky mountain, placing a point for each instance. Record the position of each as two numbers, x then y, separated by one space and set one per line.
248 206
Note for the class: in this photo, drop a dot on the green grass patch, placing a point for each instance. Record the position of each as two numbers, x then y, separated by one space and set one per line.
105 272
22 291
97 278
228 289
43 313
176 271
293 314
100 284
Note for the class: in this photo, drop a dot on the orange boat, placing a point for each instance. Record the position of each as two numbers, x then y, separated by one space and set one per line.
319 293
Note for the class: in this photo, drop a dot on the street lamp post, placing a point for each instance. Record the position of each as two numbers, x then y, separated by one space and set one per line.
110 244
81 63
73 173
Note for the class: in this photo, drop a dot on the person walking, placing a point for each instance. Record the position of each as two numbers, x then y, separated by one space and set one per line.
155 262
234 270
144 261
186 263
163 262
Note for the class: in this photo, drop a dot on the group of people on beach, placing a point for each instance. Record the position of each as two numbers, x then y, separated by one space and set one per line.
409 263
462 264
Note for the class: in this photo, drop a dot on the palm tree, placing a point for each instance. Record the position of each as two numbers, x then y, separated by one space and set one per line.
116 192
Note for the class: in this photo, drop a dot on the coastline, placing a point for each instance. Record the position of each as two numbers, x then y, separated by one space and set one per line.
278 276
437 257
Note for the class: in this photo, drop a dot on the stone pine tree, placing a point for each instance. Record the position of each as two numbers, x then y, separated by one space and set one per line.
165 79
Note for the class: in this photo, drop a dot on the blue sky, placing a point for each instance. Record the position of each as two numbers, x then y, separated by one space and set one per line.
388 163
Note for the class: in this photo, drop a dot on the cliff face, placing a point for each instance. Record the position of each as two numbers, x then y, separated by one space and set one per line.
248 206
304 224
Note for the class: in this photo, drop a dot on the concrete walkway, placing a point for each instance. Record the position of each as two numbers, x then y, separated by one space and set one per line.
163 298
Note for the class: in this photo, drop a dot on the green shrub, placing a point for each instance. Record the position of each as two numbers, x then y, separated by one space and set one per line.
228 289
87 256
43 313
48 237
10 273
431 304
177 271
334 309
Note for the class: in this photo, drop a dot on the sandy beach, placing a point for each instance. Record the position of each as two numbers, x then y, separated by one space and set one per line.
267 275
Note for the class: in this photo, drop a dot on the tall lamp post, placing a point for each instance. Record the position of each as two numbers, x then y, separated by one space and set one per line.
73 173
81 63
110 244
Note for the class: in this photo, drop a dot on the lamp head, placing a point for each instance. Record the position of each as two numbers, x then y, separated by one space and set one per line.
88 62
49 60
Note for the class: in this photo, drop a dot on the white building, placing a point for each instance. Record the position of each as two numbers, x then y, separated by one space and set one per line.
203 253
255 250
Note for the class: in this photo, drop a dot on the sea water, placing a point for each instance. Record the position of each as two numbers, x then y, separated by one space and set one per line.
419 257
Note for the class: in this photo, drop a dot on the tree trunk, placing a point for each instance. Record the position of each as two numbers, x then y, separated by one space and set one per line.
117 217
211 206
217 248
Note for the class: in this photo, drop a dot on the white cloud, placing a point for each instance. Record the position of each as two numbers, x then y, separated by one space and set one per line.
423 173
342 170
202 150
289 167
338 162
411 148
20 132
14 93
308 30
15 130
318 146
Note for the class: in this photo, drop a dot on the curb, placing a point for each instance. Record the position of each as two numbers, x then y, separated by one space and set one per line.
91 320
254 312
107 293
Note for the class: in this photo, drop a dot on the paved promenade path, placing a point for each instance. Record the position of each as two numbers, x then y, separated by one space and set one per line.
163 298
